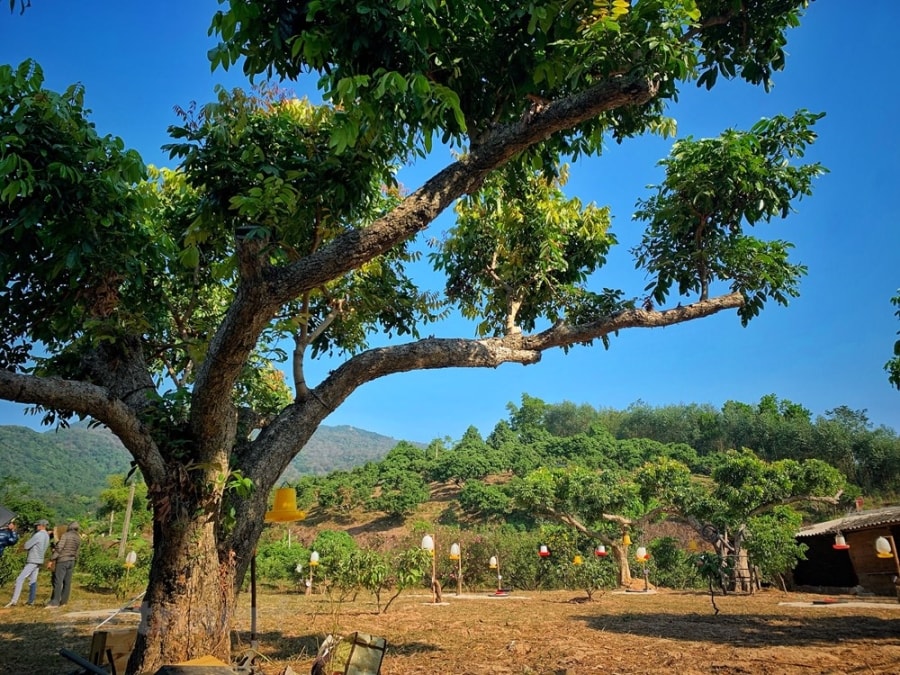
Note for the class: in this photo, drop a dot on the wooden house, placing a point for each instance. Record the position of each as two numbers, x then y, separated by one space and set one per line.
842 553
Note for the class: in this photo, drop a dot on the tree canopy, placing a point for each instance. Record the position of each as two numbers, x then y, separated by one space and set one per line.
158 302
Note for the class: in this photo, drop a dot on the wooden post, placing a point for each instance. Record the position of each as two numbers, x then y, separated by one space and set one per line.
127 523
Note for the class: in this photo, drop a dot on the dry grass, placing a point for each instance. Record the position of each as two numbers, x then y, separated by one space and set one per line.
541 632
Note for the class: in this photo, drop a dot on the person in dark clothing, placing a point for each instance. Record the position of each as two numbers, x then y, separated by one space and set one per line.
8 536
65 554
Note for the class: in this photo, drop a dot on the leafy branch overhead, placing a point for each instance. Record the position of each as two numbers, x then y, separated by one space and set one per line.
713 190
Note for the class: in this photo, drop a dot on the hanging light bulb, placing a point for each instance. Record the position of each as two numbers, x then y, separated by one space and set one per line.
454 552
314 559
492 563
428 543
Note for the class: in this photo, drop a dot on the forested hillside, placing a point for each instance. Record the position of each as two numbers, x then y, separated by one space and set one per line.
68 468
336 448
741 480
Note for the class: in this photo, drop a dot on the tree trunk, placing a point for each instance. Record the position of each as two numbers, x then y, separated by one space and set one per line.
620 553
742 579
188 609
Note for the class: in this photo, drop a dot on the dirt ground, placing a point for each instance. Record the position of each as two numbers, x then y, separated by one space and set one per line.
552 633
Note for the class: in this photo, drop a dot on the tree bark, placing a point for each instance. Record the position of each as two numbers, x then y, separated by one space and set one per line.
620 553
742 578
190 599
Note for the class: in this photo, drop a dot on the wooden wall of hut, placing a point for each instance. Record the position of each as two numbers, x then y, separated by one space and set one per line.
875 574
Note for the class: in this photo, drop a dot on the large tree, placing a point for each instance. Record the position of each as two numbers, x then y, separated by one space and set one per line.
745 507
158 305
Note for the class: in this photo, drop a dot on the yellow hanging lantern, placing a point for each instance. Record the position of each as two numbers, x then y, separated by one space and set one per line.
285 509
626 540
577 560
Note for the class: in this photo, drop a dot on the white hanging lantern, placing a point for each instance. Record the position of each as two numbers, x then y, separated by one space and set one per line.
883 548
428 543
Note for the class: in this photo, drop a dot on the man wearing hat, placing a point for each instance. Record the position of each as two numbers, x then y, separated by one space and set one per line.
36 547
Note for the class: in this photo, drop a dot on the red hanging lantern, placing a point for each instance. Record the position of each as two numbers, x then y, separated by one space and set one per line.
543 551
600 551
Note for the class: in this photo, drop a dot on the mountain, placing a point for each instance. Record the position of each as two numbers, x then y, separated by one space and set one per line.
341 447
63 467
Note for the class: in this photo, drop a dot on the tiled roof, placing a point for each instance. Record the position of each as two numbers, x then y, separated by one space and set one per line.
861 520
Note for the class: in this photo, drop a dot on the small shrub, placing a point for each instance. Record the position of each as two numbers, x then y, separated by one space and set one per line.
11 563
105 571
672 567
276 562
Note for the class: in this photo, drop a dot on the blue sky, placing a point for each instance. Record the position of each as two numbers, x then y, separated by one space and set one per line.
138 60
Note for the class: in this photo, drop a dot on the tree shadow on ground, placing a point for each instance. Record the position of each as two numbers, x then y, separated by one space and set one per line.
276 646
280 648
43 642
377 525
410 648
749 630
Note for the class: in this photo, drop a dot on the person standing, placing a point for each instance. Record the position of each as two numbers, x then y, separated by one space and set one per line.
36 547
8 536
65 554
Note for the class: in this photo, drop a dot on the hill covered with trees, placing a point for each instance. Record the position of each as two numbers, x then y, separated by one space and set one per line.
68 468
741 479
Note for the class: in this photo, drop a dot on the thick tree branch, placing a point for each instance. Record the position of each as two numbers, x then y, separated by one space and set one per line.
89 400
575 523
433 353
256 303
420 208
795 499
562 334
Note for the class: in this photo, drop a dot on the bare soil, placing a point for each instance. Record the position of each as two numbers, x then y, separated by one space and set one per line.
552 633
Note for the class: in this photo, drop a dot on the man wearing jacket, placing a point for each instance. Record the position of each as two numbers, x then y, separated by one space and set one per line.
64 554
8 536
36 547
